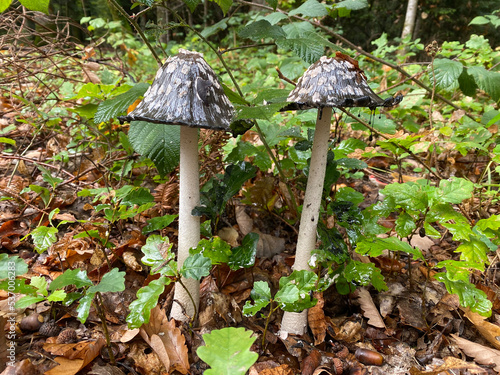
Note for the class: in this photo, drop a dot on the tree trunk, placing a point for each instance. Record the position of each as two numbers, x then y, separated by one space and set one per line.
411 15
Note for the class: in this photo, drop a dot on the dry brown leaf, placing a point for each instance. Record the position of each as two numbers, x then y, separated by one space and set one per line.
482 354
316 319
167 341
488 330
230 235
107 369
129 335
73 357
244 221
280 370
311 362
269 246
131 261
370 311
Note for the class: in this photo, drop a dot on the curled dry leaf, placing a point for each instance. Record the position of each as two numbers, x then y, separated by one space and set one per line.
482 354
131 261
316 319
73 357
230 235
370 311
280 370
167 341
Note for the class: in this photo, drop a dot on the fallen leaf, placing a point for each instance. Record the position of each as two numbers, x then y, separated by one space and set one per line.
482 354
167 341
311 362
316 319
245 222
489 331
73 357
370 311
129 334
107 369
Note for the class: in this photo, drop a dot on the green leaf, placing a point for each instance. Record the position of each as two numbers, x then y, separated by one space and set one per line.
57 296
474 251
11 267
375 247
294 292
348 194
158 223
236 175
84 306
36 5
147 299
17 286
259 112
196 266
7 140
405 225
447 72
227 351
351 163
272 3
224 5
40 284
43 192
455 190
261 295
110 108
76 277
467 83
468 294
244 256
486 80
261 29
112 281
352 4
307 50
408 195
192 4
43 238
158 142
213 29
364 274
215 249
130 196
158 255
4 4
311 8
27 301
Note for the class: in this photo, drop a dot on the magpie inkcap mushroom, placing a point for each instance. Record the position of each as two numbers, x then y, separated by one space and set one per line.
336 82
185 91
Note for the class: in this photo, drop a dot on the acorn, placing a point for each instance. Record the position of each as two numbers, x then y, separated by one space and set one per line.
369 357
49 329
67 336
31 323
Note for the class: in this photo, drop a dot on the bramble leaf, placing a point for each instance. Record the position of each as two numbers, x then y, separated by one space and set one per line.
43 238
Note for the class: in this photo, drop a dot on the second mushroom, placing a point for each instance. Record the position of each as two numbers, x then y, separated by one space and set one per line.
330 82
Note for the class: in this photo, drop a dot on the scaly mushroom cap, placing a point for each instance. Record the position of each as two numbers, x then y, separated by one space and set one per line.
336 82
185 91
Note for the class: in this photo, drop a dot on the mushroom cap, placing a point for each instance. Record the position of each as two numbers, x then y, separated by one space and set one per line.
336 82
185 91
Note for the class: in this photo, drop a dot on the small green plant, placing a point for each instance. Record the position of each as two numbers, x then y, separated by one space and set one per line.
293 295
227 351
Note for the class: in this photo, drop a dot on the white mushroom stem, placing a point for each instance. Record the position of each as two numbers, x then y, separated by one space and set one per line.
189 225
296 323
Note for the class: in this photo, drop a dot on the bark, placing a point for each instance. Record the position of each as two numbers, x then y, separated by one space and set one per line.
411 15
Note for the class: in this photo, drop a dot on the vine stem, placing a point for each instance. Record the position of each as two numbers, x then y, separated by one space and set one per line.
136 26
99 306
